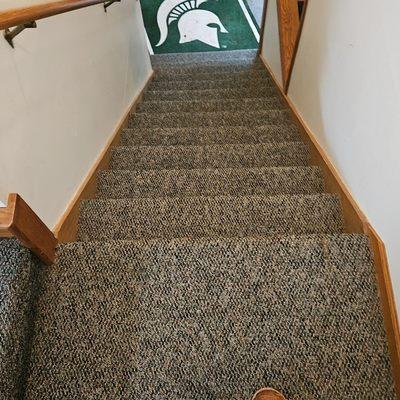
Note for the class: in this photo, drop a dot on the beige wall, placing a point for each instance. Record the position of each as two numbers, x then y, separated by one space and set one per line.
346 86
63 90
271 50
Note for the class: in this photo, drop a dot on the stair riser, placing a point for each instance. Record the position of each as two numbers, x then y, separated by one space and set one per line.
228 83
206 136
263 181
214 74
220 94
211 105
194 217
172 120
239 56
190 157
190 66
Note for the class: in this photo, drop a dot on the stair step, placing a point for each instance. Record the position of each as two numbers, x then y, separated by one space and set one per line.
234 82
209 119
237 56
210 182
221 94
212 156
210 67
211 319
262 104
210 73
203 136
224 216
18 281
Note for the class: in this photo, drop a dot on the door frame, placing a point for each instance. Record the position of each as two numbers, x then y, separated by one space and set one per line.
286 81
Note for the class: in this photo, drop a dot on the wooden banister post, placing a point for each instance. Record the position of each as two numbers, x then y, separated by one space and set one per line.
289 30
18 220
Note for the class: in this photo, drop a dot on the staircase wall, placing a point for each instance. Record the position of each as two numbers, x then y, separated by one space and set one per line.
64 89
346 86
270 46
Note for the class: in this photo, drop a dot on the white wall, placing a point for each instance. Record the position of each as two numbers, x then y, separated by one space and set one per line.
346 85
64 89
271 48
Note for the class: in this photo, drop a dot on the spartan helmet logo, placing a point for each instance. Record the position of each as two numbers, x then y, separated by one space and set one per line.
193 23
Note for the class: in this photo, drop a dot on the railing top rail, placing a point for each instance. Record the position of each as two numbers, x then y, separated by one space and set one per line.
24 15
18 220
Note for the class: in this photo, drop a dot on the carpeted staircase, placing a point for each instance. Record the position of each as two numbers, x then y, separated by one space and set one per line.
211 263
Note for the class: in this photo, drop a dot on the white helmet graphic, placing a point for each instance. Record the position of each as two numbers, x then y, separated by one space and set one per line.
193 23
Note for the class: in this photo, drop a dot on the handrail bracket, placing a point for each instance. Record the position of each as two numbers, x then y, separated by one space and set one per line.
9 35
109 3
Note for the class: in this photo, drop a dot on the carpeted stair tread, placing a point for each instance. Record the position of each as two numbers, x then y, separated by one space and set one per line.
236 82
248 64
208 94
208 67
210 119
204 136
211 320
210 73
210 264
241 56
18 276
201 216
210 156
257 104
210 182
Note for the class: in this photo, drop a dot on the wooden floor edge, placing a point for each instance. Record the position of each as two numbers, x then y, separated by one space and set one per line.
356 222
65 229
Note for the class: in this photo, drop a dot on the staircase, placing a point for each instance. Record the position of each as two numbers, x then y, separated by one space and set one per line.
211 263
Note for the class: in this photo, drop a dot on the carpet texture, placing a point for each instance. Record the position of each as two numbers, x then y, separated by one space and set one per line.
210 182
211 263
207 136
18 285
211 156
226 82
211 319
208 94
273 103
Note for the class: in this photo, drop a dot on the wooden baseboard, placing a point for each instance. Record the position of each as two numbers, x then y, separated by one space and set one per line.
355 222
354 219
66 229
388 303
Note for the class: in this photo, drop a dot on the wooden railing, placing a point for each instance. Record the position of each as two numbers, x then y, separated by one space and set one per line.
290 25
23 15
19 221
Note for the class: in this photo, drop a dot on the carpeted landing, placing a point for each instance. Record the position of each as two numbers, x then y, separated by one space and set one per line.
211 263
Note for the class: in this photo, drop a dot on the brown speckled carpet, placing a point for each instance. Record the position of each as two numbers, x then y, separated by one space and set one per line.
211 263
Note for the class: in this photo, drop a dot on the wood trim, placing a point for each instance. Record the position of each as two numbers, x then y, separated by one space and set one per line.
24 15
296 47
387 302
289 26
262 27
18 220
66 229
355 222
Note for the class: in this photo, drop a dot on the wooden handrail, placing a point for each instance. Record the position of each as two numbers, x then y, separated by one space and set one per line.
289 26
23 15
18 220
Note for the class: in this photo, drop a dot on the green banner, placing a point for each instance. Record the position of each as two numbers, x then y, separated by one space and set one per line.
183 26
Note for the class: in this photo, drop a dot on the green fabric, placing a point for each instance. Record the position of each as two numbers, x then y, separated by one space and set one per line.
239 36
